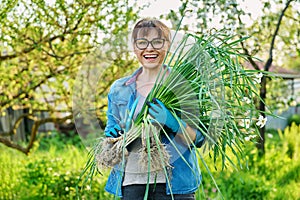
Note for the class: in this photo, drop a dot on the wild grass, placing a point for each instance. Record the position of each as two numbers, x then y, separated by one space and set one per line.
51 173
275 176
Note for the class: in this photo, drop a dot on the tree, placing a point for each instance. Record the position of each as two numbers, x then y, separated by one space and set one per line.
43 50
263 88
265 32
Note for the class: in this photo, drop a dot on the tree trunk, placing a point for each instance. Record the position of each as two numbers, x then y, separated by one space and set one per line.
263 89
262 107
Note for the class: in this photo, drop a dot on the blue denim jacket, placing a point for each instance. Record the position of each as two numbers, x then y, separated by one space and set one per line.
184 178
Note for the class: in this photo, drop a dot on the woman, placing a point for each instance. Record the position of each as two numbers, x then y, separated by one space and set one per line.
151 41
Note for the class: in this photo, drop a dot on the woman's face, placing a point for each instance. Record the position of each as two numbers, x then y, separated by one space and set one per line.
151 56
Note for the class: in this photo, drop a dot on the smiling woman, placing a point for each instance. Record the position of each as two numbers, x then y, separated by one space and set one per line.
161 177
151 40
160 115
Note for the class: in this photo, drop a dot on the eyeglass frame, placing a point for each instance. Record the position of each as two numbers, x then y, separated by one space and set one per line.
150 42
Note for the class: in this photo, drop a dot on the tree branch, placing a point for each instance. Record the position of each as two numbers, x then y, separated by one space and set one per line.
28 49
2 104
40 122
13 131
10 144
293 18
270 59
34 131
249 57
42 41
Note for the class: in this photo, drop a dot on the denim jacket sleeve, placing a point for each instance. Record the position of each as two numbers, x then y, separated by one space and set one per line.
111 115
118 99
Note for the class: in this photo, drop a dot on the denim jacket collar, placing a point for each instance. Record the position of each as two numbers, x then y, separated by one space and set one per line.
134 76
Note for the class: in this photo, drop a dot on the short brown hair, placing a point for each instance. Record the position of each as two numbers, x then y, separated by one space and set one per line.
147 23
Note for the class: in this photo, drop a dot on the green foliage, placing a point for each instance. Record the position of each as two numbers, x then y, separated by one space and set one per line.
274 176
291 144
42 52
242 186
53 174
295 118
47 181
46 141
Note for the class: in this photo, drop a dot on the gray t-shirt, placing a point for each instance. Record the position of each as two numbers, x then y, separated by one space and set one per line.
134 173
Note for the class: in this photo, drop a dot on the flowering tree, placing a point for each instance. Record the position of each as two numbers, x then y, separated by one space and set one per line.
42 51
263 89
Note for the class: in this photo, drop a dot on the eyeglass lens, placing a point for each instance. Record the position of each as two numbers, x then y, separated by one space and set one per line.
156 43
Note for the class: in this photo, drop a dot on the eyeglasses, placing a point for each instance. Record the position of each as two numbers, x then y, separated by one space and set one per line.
143 43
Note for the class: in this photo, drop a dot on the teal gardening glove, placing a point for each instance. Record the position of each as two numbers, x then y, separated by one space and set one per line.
162 115
115 132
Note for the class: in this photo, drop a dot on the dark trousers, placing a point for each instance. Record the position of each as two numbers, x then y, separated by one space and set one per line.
155 192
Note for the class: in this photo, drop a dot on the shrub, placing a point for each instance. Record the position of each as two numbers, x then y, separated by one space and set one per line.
47 180
295 118
55 178
49 139
290 140
276 175
46 175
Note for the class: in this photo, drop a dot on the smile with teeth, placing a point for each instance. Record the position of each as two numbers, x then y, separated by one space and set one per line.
150 56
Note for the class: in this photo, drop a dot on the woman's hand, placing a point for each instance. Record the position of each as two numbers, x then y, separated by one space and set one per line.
162 115
115 132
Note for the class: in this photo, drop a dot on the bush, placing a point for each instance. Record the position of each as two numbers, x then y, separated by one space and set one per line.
46 175
49 179
295 118
276 175
46 179
49 139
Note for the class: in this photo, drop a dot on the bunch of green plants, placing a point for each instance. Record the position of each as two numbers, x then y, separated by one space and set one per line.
49 179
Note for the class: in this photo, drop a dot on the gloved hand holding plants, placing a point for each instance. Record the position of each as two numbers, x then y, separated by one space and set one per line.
162 115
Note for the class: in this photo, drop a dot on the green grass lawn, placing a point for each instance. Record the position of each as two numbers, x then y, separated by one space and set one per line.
51 171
